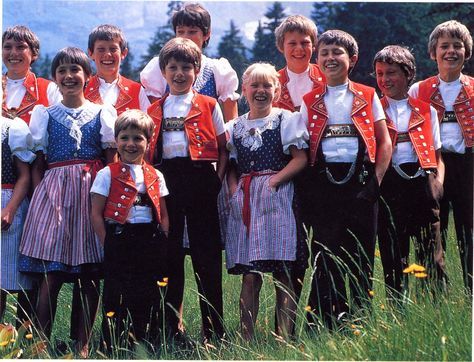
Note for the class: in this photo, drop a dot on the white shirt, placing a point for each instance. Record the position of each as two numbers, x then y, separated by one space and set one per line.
15 92
109 93
137 214
451 133
399 112
338 101
298 85
175 143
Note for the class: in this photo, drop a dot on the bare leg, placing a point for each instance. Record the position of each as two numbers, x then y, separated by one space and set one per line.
249 303
180 322
47 301
285 304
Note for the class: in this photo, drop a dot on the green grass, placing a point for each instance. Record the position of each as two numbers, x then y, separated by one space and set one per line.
422 330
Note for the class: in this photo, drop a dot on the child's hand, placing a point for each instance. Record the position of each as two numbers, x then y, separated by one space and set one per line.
7 217
273 183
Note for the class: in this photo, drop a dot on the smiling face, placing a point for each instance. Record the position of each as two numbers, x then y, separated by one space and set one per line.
335 63
180 76
260 92
131 145
193 33
108 56
17 57
450 56
297 50
392 80
70 79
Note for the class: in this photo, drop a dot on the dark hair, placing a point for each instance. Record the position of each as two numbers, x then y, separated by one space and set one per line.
22 33
107 32
339 38
137 119
180 49
71 55
396 54
193 14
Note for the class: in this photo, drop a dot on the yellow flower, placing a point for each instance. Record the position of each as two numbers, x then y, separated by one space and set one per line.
382 306
307 308
357 332
163 283
421 275
353 326
4 343
29 336
110 314
377 253
371 293
165 279
414 268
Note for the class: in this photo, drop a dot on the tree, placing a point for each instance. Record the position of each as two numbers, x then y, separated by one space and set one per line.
42 67
127 69
232 48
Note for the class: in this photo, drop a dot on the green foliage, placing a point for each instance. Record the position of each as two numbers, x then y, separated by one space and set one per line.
232 48
127 69
42 67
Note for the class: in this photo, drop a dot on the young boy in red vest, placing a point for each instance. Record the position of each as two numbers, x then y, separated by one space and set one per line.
350 151
412 187
130 218
22 90
451 93
107 48
189 136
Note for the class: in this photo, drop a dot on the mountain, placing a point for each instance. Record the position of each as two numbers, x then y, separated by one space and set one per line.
67 23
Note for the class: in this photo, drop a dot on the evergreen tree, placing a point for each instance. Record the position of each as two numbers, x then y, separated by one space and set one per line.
232 48
42 67
126 68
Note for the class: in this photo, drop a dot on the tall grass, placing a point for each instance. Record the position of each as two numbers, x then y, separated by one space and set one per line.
421 329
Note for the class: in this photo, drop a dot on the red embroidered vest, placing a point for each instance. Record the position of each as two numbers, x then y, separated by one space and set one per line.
419 131
463 105
198 125
285 101
123 191
361 116
128 98
36 93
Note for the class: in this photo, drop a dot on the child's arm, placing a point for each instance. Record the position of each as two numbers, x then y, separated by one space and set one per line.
110 155
298 162
97 215
229 109
383 153
165 221
19 193
223 156
232 179
38 168
440 167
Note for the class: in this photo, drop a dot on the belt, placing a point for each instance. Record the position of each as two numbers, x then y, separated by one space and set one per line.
340 130
8 186
92 166
247 178
403 137
449 116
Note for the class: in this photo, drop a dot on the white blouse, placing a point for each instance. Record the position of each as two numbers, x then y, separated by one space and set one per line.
293 131
137 214
225 76
40 118
19 138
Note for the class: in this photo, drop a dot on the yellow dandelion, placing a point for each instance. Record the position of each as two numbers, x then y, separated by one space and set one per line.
4 343
353 326
421 275
29 336
357 332
165 279
307 308
382 306
162 283
414 268
371 293
110 314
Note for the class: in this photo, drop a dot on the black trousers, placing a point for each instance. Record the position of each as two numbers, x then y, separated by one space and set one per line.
135 257
193 188
408 209
458 191
343 245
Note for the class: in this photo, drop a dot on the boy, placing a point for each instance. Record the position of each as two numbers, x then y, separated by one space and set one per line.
451 93
22 90
130 218
350 150
412 187
107 48
189 136
296 38
216 79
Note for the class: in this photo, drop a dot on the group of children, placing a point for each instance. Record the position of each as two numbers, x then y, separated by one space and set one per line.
316 151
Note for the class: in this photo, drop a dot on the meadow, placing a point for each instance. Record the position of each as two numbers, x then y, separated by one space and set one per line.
421 329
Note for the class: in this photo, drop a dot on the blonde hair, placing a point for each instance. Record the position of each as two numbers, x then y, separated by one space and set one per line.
454 29
262 71
297 23
137 119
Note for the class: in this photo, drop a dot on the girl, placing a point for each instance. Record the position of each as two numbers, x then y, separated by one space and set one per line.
16 155
58 241
266 150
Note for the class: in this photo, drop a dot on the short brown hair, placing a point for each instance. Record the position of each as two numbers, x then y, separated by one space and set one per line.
193 14
137 119
180 49
297 23
454 29
23 33
71 55
342 39
396 54
107 32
